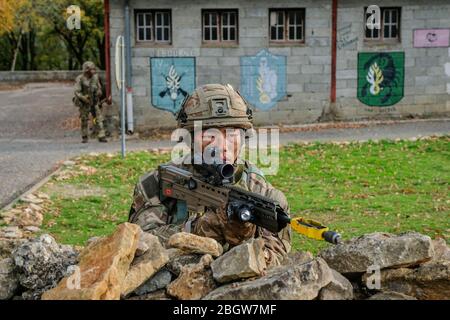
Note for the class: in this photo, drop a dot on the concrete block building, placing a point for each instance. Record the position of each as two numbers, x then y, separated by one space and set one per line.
295 61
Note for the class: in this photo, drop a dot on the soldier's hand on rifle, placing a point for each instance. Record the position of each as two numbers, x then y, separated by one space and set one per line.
236 231
85 99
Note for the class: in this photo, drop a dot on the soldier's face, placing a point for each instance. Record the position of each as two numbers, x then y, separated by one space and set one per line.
90 73
225 143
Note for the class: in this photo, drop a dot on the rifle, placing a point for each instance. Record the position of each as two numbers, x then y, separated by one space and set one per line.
245 206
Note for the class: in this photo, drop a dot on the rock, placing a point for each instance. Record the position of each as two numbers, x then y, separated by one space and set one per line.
378 249
288 282
159 281
31 198
298 257
195 244
441 251
360 292
42 195
32 229
69 163
145 242
194 282
102 268
157 295
41 263
243 261
176 264
11 232
28 217
339 288
92 240
35 207
7 246
173 253
145 266
7 216
430 281
390 295
165 232
9 280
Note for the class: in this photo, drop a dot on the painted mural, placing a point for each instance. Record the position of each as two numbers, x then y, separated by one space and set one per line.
263 79
431 38
381 78
172 79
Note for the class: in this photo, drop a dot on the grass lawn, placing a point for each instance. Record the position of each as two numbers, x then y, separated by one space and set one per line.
355 189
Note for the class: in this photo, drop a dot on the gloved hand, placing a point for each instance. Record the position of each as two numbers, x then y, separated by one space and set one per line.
216 225
85 99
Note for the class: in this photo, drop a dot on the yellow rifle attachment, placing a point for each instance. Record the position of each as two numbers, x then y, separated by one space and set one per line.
315 230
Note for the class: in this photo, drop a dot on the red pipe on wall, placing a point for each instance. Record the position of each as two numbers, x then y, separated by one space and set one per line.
107 49
333 50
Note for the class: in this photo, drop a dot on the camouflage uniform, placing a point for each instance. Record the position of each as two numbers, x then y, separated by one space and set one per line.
86 91
162 218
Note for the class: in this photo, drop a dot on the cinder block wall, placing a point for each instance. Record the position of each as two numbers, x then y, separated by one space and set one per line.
308 65
425 82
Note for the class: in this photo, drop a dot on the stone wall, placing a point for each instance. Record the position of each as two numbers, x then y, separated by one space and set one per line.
38 76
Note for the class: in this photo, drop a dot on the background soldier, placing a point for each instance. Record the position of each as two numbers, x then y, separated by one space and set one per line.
220 107
87 95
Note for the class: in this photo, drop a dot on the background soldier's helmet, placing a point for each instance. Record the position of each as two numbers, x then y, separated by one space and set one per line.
216 105
88 65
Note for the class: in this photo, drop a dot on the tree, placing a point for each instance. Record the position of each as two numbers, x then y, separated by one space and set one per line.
15 20
88 42
34 35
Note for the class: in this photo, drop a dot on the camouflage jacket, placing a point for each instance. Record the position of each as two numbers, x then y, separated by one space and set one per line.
87 90
148 211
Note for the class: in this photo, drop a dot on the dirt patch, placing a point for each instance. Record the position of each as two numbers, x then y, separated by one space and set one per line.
71 191
8 86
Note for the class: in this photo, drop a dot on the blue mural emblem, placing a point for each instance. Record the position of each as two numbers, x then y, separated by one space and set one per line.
172 80
263 79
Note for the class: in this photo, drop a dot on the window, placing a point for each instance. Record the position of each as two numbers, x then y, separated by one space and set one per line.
287 25
220 26
389 25
153 26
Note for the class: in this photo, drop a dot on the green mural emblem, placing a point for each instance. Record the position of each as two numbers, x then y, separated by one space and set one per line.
381 78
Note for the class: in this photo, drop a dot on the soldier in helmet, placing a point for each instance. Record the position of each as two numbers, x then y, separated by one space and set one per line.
220 107
87 93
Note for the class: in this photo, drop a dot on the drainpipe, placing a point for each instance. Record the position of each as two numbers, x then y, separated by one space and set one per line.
107 50
130 121
333 50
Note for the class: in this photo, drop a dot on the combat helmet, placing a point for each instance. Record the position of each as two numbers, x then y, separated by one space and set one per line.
216 105
88 65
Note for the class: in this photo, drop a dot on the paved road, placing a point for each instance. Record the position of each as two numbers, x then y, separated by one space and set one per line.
36 134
